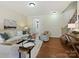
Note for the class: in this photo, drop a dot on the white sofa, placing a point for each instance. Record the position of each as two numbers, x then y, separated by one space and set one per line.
9 51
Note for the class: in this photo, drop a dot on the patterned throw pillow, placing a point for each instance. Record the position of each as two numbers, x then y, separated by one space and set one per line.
5 36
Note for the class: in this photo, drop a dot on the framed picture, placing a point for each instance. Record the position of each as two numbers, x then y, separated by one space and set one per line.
9 23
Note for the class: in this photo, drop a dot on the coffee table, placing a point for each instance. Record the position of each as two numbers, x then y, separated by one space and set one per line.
25 49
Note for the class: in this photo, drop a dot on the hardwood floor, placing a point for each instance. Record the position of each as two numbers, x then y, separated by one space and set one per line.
52 49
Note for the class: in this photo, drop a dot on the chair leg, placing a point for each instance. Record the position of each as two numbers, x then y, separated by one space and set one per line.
19 54
29 53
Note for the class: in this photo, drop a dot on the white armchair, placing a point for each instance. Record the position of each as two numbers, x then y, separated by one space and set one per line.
9 51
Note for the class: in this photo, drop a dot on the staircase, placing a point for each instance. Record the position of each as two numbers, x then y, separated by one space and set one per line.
72 20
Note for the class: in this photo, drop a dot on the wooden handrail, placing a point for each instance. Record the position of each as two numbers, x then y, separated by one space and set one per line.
72 20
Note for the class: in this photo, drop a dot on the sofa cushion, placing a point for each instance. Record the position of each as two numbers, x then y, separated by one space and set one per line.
9 51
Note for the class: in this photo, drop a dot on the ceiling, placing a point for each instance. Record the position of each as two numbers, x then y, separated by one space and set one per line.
41 7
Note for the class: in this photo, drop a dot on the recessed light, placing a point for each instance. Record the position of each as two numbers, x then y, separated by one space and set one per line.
31 4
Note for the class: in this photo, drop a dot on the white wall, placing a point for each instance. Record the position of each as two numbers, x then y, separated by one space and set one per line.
54 22
68 13
51 23
8 14
78 7
78 14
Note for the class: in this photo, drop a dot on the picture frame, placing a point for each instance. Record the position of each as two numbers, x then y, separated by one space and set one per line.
9 23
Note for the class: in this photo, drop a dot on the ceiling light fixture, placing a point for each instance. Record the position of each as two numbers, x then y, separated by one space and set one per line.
54 12
32 4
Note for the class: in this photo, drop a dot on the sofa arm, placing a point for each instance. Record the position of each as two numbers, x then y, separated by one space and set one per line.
9 51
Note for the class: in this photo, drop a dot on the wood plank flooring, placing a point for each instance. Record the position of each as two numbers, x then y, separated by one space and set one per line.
52 49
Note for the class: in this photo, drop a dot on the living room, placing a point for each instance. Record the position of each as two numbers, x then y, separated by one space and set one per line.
28 29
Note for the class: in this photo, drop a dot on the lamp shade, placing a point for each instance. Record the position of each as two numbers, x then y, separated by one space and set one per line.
26 28
71 25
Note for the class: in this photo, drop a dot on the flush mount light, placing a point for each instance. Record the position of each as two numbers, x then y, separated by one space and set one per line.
31 4
54 12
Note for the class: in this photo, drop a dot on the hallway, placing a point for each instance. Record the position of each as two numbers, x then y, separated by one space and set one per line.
52 49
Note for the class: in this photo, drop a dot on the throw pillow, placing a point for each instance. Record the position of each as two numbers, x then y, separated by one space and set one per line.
5 36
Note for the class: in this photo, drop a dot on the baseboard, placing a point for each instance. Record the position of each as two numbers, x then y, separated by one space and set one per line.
54 37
